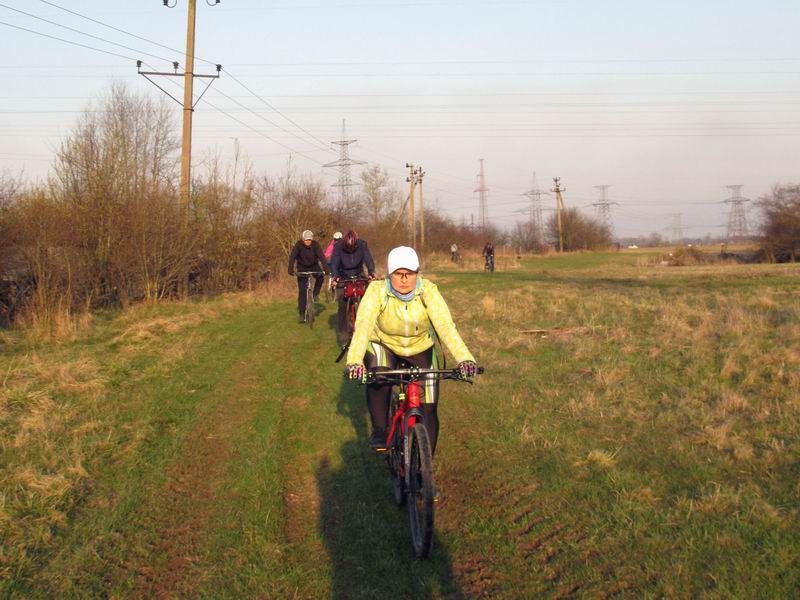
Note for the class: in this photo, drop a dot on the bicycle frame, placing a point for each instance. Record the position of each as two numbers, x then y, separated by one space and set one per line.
406 414
308 275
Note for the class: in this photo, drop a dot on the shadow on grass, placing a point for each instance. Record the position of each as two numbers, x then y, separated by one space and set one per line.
366 534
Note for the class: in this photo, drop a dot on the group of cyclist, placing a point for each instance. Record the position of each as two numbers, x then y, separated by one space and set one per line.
398 322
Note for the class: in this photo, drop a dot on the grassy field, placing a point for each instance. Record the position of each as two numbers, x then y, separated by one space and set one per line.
636 435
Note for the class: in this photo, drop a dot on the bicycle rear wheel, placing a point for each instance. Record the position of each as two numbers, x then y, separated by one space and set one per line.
420 490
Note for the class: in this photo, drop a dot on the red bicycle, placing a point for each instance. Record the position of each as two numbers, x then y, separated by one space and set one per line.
353 289
408 453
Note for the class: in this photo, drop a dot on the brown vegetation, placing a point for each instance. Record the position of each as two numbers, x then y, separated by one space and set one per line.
781 226
104 230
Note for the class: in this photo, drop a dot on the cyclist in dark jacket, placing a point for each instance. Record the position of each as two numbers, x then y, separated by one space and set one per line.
308 255
349 258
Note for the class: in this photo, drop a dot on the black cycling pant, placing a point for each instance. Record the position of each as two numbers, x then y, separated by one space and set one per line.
302 282
379 396
342 318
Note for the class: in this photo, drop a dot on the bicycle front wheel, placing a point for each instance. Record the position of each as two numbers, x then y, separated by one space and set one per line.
310 306
420 490
330 292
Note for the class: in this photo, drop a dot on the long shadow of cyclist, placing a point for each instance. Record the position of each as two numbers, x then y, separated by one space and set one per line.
367 536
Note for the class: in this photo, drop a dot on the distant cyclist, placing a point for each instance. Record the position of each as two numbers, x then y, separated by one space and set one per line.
397 321
308 255
329 248
488 256
351 256
329 253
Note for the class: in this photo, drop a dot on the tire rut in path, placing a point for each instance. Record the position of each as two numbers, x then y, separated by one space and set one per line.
185 505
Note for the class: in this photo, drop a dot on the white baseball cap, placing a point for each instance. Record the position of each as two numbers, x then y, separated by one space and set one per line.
403 257
308 234
337 235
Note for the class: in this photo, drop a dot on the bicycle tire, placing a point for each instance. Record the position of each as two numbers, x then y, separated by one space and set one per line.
420 490
330 292
310 306
395 460
395 457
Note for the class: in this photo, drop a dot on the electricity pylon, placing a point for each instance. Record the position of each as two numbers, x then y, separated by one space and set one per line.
676 229
737 220
481 190
535 195
603 207
344 183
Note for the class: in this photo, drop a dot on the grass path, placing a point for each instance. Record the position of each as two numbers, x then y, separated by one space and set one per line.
653 454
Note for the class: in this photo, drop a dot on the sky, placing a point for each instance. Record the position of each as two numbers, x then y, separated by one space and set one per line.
665 102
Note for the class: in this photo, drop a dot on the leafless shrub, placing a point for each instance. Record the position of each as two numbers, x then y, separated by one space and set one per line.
780 233
579 231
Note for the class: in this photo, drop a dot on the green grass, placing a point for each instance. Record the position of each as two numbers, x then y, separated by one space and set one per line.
212 449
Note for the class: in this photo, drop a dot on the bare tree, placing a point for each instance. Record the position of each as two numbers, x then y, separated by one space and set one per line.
375 181
580 231
114 177
780 231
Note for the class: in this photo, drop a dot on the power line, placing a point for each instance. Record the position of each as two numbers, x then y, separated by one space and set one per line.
277 111
259 133
262 117
95 37
231 75
128 33
53 37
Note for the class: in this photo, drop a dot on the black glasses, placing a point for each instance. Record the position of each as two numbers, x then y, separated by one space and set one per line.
404 276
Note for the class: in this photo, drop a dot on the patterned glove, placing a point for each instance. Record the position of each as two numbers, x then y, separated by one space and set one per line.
468 369
355 372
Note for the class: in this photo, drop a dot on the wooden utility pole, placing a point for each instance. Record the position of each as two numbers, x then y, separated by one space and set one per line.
420 177
412 218
559 207
188 110
188 105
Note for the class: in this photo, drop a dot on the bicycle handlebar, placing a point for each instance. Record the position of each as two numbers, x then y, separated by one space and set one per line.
414 373
307 273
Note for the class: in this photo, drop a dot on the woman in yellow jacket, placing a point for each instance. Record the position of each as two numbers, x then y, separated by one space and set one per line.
396 321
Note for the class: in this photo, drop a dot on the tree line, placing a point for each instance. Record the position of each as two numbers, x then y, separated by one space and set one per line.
105 228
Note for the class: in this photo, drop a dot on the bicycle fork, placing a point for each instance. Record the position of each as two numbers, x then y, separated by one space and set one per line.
413 414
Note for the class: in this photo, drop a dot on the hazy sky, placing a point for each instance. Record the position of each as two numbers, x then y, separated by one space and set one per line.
666 101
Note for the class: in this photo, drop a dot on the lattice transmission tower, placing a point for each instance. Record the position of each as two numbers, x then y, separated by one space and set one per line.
603 207
535 194
676 229
345 182
737 220
482 190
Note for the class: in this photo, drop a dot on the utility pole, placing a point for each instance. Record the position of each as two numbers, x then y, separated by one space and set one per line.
188 106
559 207
421 176
415 175
737 220
345 183
188 97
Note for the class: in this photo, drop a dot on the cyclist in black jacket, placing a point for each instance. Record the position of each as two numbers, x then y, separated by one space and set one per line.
308 255
349 258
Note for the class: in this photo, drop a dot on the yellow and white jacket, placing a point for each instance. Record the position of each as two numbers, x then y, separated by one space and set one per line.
405 327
